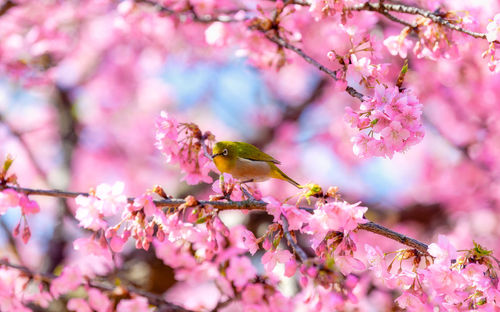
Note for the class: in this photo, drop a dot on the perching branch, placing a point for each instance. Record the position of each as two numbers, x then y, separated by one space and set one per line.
296 248
190 13
232 205
436 17
168 203
403 239
152 298
332 73
6 7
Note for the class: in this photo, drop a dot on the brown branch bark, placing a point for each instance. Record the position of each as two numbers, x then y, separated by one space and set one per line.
233 205
332 73
296 248
401 8
152 298
6 7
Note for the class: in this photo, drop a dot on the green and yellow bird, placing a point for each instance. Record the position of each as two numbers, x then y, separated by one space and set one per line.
247 163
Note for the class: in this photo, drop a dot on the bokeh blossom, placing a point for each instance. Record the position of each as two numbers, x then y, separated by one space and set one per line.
388 122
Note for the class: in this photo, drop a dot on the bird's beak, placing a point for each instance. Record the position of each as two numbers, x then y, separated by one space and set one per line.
215 155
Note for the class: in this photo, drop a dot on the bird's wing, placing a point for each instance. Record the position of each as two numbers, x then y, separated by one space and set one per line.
250 152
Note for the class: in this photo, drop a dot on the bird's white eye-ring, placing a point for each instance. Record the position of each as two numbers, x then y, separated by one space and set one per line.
224 152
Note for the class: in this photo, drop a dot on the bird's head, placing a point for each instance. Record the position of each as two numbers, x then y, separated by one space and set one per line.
224 149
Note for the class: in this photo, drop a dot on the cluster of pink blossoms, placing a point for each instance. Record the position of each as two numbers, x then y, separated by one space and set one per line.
105 201
12 199
182 143
434 41
493 36
388 122
322 8
449 281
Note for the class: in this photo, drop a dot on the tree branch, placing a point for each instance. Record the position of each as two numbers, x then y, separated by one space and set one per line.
232 205
296 248
168 203
31 156
401 238
6 7
152 298
190 13
401 8
332 73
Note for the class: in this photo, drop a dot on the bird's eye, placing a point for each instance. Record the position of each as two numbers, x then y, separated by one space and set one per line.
224 152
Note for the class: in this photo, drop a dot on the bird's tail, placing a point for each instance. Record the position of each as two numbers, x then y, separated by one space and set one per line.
281 175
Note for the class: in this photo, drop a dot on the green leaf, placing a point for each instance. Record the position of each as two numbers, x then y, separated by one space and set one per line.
201 220
8 162
480 250
276 242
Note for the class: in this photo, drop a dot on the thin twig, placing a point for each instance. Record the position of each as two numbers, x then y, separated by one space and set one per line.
6 7
152 298
397 19
184 15
172 203
332 73
232 205
401 8
10 238
403 239
296 248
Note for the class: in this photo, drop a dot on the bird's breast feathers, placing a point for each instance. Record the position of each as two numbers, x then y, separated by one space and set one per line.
255 170
245 169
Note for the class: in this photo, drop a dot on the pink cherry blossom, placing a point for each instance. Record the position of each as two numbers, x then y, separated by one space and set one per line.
493 29
443 252
138 304
362 65
271 258
70 279
215 34
167 135
394 123
250 241
273 207
253 293
113 201
145 201
394 135
78 305
99 301
295 217
398 45
8 198
90 246
240 271
89 212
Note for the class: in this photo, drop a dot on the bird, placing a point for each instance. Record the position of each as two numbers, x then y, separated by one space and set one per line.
247 163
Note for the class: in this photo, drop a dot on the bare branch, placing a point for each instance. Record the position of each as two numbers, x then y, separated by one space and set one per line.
6 7
152 298
231 205
172 203
296 248
401 8
332 73
190 13
403 239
